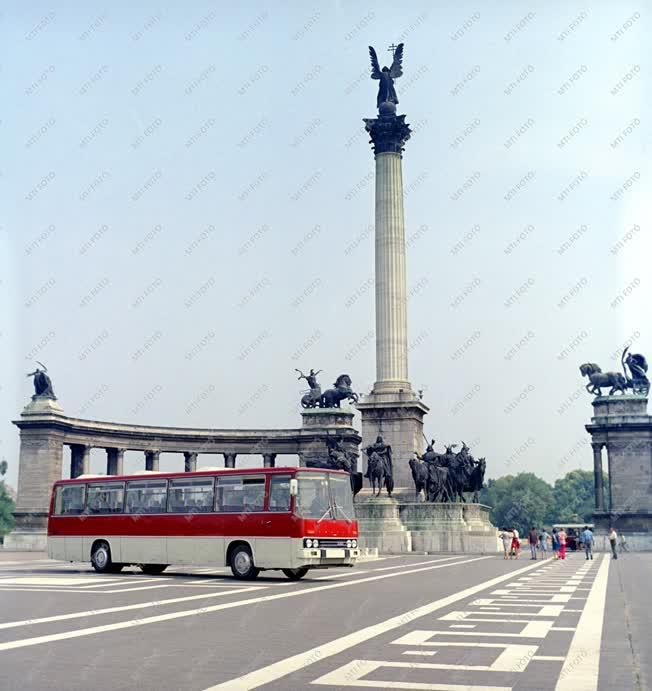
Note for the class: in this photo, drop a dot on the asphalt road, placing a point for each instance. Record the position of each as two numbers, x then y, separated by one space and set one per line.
435 622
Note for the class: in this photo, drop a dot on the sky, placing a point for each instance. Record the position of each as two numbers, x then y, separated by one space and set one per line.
188 212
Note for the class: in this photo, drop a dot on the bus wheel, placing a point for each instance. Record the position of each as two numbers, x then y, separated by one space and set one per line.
242 563
296 574
153 568
101 558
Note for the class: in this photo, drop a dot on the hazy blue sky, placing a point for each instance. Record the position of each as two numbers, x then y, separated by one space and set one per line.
188 195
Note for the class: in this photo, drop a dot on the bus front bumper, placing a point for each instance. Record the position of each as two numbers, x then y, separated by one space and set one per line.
315 556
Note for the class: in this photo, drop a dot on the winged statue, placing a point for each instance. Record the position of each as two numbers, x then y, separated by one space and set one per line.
387 75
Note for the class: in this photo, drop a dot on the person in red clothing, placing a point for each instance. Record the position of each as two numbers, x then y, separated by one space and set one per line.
561 535
516 545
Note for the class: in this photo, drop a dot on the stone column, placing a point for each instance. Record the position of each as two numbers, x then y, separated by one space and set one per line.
190 462
151 460
76 451
229 460
389 133
391 410
115 461
597 476
269 460
612 476
86 459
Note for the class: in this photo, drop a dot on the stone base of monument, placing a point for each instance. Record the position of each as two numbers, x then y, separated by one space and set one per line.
398 525
26 541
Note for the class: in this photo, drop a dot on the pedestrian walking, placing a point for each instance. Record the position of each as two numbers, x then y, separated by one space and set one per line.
613 536
533 540
543 542
562 544
506 537
587 541
516 545
623 544
555 543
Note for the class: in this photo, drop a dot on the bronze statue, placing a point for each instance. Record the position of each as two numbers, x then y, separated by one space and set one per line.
380 471
331 398
447 477
312 398
42 383
637 364
386 76
599 379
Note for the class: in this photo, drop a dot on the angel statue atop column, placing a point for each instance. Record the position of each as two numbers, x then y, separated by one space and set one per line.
386 90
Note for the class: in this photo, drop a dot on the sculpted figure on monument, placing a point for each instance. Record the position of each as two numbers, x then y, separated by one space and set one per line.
446 477
380 471
341 459
331 398
312 398
42 383
637 364
599 379
386 76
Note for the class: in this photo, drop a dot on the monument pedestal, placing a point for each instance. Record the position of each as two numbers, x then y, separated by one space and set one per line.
398 525
620 424
40 462
398 419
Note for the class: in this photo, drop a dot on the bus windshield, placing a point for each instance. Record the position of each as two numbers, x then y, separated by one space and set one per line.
324 497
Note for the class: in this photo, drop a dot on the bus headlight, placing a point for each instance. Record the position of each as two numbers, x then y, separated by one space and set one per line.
354 543
308 543
349 544
315 543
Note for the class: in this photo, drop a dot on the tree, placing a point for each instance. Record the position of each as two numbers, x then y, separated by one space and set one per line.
519 501
6 505
574 497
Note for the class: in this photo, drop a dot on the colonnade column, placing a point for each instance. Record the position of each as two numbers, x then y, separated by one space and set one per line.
190 461
151 460
115 461
229 460
597 476
269 460
80 460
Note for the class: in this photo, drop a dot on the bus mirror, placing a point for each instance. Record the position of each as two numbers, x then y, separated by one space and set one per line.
294 487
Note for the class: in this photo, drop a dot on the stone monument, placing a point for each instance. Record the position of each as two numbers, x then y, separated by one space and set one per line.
389 516
392 410
622 426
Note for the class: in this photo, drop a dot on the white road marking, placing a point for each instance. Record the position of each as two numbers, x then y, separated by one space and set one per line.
385 568
277 670
534 629
420 652
582 666
122 608
11 645
351 673
53 580
462 626
549 658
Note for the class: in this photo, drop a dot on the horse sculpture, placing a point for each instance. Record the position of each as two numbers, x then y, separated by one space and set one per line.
331 398
420 476
599 379
379 474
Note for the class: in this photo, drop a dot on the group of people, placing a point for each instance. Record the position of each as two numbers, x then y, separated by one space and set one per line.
543 542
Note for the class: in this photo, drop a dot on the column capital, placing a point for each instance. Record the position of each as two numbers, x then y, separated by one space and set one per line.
388 133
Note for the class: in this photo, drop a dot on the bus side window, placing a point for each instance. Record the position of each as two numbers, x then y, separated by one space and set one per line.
279 493
70 500
146 496
193 495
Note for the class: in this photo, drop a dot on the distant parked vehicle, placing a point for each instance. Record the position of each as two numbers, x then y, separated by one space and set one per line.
573 532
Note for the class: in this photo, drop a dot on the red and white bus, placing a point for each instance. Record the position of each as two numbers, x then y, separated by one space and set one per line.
292 519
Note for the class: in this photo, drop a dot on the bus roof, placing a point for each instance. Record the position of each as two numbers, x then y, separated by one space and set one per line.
201 472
